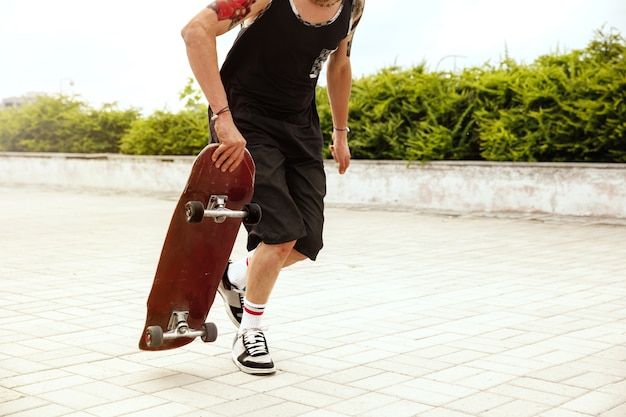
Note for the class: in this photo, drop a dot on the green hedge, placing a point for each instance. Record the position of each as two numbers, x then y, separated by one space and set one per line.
562 107
64 124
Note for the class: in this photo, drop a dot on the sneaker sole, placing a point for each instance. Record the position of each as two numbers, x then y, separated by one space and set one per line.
229 313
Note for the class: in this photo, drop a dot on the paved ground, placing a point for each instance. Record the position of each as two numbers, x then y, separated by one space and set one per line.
404 314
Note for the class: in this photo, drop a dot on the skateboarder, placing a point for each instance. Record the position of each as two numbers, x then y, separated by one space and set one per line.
264 99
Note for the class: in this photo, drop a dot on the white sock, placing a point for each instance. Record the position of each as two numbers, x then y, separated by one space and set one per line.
237 272
252 315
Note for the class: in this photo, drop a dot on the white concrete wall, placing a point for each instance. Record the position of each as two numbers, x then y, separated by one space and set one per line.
597 190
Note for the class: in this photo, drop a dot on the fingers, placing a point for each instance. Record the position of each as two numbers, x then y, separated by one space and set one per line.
231 150
227 157
342 157
343 166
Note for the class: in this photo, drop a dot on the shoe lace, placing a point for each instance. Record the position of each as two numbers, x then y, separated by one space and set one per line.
254 342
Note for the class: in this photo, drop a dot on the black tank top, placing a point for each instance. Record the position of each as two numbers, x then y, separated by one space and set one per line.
273 65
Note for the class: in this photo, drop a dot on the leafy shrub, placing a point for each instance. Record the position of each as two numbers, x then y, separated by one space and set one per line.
167 133
63 124
562 107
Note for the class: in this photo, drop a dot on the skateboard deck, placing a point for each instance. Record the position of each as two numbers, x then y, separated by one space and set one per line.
196 252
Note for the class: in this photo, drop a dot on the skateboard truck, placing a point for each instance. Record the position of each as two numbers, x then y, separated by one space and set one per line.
216 208
177 328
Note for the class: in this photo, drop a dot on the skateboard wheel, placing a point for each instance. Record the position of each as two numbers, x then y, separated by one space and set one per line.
154 336
210 332
194 210
254 214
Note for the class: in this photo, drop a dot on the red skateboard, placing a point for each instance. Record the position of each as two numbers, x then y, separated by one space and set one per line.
195 252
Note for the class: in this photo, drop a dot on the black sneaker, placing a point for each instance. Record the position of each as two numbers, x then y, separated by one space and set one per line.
233 299
250 353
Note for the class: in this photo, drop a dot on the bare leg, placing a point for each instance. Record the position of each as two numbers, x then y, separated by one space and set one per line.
250 351
294 256
264 268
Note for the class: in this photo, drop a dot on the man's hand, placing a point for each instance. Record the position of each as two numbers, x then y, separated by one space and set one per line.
230 152
340 150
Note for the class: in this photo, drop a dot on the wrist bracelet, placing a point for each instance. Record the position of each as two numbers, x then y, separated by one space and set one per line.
223 110
347 129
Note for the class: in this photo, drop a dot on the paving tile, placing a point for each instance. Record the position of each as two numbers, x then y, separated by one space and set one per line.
561 412
534 394
363 403
351 375
428 392
485 380
51 385
618 411
7 395
443 412
565 389
126 406
32 378
517 408
402 408
479 403
323 413
595 403
298 395
380 381
199 400
618 387
21 404
331 389
52 410
595 380
172 381
73 399
168 409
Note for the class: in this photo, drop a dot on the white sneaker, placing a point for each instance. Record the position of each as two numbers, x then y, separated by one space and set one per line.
233 299
250 353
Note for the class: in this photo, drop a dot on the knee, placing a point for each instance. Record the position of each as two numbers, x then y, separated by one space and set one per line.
297 256
281 250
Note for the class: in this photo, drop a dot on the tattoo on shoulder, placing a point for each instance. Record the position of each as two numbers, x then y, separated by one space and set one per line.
357 12
235 10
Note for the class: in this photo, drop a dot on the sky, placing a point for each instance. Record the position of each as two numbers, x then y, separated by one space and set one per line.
131 51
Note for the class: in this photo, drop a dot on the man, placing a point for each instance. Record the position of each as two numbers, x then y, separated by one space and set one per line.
264 99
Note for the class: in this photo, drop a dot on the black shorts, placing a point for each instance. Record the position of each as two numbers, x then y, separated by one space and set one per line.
290 182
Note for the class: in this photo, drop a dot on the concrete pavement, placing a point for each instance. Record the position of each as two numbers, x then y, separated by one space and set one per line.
404 314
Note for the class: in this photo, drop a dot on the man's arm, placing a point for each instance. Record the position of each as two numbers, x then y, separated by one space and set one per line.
339 84
200 36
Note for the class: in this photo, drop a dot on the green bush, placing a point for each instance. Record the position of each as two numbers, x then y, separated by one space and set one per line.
408 114
562 107
167 133
63 124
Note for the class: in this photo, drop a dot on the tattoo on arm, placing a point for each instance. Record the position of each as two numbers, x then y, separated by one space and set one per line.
357 12
234 10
